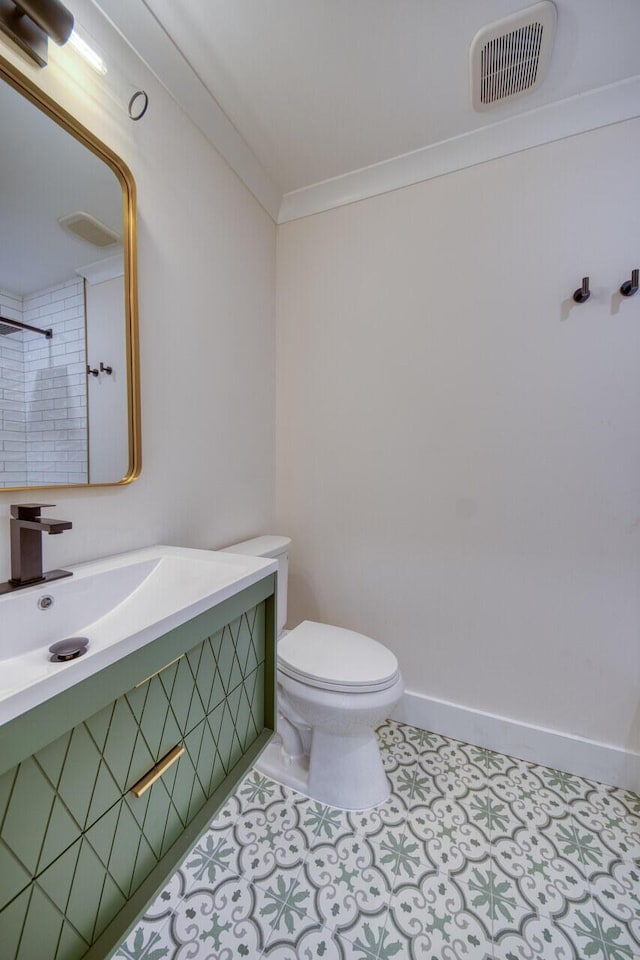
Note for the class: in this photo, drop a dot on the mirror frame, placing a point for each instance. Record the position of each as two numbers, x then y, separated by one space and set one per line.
31 92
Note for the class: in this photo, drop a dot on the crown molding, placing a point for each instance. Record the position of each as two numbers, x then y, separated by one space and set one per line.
108 268
143 32
555 121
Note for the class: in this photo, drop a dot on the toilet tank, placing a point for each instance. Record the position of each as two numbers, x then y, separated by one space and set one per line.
276 548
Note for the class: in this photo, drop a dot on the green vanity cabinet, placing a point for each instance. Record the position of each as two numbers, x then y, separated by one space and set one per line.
181 719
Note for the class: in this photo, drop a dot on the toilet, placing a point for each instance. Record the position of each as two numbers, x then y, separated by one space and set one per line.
335 687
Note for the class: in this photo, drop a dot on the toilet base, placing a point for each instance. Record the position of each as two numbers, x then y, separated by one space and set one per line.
347 771
274 763
342 771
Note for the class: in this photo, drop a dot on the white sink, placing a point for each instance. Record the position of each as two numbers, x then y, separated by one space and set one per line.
119 604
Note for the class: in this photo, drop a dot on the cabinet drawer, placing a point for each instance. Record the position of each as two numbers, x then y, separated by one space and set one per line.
67 907
75 842
196 683
72 782
64 788
57 792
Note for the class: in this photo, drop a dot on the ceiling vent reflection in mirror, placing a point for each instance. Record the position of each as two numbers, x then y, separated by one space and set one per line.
89 228
509 58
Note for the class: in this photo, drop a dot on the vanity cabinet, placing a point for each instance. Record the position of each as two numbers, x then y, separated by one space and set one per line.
177 722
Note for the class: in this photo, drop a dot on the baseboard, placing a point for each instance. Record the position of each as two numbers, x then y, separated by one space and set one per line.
553 748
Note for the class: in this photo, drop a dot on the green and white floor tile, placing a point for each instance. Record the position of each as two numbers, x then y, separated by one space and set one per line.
475 855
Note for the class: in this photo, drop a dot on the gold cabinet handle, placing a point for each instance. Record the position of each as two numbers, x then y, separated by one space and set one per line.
152 675
156 772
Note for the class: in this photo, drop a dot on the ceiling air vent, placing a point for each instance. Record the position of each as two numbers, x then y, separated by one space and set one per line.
89 228
510 57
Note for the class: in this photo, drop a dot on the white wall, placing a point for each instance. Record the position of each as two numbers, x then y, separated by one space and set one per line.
207 272
55 383
457 443
107 393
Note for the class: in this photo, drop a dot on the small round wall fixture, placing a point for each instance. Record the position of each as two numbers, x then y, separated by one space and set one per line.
138 105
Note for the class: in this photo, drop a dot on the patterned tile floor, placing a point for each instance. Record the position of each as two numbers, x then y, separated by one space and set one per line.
476 855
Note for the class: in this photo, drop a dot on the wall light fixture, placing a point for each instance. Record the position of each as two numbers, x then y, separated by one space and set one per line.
30 23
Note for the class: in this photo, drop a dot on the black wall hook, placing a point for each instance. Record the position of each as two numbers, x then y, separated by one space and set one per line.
629 287
582 294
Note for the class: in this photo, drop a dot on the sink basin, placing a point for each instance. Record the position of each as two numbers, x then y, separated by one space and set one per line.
87 598
119 604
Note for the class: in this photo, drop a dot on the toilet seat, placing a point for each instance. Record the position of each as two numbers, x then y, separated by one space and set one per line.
332 658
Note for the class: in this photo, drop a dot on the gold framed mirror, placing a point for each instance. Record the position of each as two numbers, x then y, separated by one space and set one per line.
69 354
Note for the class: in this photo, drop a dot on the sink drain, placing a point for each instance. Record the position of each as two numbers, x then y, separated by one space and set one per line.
68 649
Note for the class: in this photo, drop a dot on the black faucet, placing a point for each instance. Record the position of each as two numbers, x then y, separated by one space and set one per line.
27 527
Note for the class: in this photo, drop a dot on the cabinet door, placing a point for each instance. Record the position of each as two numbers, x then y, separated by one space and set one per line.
48 800
210 671
66 908
51 798
72 782
75 842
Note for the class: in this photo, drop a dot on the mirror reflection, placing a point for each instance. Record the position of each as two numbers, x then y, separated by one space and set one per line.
64 411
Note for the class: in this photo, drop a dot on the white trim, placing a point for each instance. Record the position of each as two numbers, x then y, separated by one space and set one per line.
564 118
553 748
101 270
144 33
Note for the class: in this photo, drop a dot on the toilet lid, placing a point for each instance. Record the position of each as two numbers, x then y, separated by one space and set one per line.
336 659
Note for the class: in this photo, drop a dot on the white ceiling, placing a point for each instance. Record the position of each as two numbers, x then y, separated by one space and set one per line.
318 103
36 188
319 88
